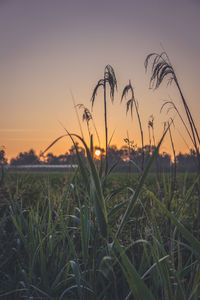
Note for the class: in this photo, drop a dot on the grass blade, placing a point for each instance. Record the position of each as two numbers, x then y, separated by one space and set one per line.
136 284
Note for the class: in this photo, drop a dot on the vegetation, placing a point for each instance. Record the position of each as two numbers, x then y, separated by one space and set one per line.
3 159
128 158
93 234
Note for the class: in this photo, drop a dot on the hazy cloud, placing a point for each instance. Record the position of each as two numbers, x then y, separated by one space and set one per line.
17 130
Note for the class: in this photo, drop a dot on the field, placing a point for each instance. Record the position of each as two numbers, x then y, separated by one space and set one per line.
54 244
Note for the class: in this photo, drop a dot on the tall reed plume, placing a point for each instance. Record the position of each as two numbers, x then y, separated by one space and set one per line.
129 106
110 80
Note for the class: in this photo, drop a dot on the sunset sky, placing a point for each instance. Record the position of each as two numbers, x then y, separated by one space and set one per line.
51 49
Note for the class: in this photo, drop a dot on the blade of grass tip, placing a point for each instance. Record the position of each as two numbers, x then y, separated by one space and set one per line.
96 133
111 137
153 266
114 193
104 179
136 284
112 168
134 164
55 141
58 279
139 187
117 208
75 219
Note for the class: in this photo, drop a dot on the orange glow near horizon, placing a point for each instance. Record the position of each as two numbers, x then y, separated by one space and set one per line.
13 146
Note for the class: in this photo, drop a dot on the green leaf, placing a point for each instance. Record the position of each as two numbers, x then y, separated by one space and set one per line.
136 284
85 232
77 275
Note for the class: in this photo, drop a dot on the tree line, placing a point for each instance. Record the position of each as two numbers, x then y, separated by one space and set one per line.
127 158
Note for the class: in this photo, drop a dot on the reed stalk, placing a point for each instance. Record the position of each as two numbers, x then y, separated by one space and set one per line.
129 105
110 79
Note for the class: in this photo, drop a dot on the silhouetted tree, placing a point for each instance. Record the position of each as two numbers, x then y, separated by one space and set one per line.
52 159
113 155
25 158
3 159
72 157
186 162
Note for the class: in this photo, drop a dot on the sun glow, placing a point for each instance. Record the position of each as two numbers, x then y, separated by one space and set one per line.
98 153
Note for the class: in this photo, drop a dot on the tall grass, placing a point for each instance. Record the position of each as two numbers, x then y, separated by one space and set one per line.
110 80
161 69
129 106
79 246
87 116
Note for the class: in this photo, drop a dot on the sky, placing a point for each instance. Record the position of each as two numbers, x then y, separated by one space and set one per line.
54 50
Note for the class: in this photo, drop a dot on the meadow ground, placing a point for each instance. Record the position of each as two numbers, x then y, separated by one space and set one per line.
54 246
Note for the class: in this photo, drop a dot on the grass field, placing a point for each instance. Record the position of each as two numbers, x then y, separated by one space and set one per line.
53 247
